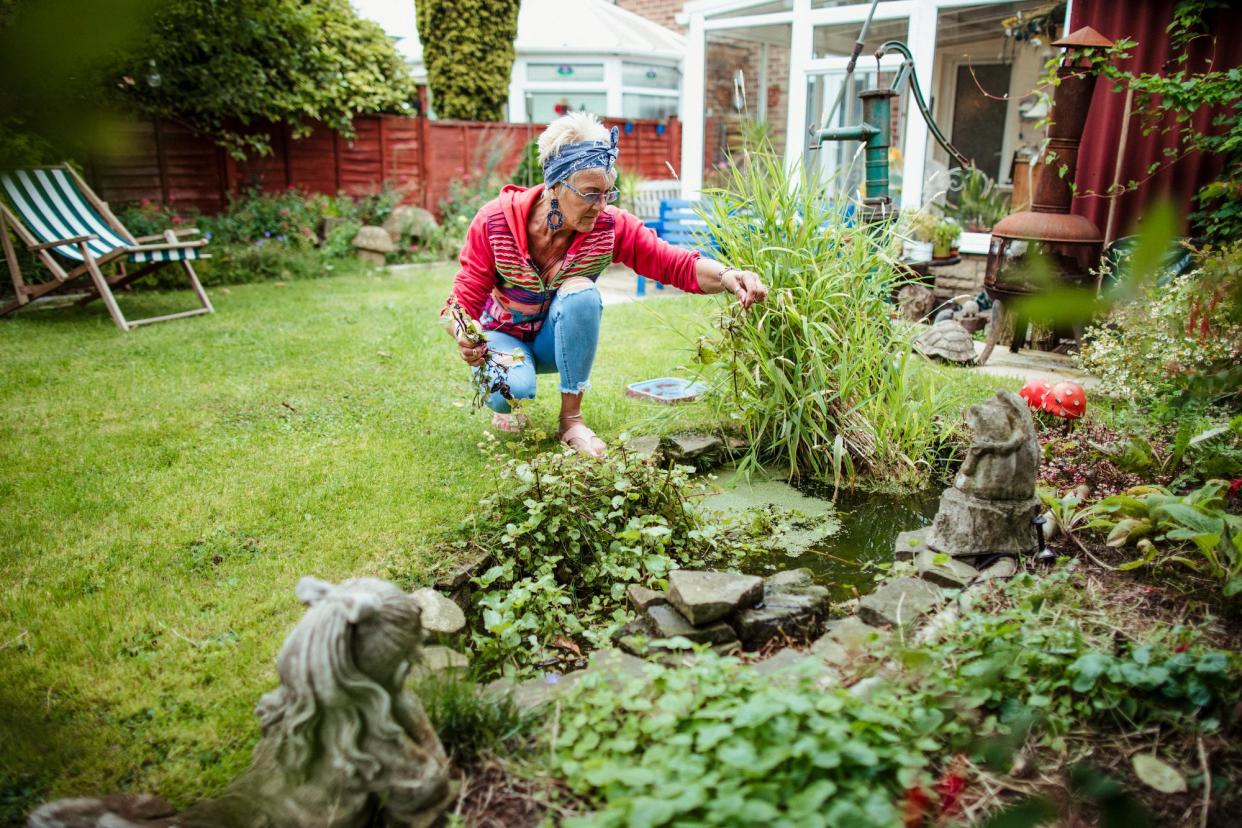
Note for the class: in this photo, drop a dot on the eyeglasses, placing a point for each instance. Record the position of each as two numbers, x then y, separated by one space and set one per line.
608 196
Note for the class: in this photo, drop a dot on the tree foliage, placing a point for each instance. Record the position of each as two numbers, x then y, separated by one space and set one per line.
228 68
468 49
52 54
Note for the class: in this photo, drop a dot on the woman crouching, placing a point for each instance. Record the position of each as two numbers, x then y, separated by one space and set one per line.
529 265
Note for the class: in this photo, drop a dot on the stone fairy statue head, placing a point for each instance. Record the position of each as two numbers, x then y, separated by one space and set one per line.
343 743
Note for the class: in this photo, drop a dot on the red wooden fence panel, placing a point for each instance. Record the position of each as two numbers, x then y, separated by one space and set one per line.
167 163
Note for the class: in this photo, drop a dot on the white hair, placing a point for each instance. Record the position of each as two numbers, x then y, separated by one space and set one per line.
570 128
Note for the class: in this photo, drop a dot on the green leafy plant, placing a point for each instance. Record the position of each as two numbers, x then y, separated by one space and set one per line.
529 172
226 68
817 376
979 204
627 183
471 724
468 48
920 225
1193 529
945 236
716 743
567 533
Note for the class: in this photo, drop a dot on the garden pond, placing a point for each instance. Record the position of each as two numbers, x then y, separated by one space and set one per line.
839 543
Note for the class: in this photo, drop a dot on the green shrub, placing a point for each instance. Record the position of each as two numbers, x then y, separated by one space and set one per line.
567 534
468 49
979 204
1174 340
819 376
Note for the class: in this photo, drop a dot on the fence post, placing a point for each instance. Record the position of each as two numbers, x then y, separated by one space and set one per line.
424 142
336 160
383 149
160 161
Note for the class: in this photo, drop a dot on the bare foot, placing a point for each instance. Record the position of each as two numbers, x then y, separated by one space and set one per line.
576 435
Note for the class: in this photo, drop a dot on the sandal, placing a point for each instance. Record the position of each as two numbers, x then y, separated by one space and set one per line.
511 423
583 440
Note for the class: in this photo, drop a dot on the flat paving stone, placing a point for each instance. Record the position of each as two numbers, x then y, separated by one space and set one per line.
643 446
793 605
666 622
945 571
691 447
640 597
439 660
1003 568
703 596
788 662
847 639
899 603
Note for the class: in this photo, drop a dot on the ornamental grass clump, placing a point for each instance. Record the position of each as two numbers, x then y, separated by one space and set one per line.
819 377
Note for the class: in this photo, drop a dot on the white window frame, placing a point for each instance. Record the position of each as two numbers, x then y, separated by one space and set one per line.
610 86
922 17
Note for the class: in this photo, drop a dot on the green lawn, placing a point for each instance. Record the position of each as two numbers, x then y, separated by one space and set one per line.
163 491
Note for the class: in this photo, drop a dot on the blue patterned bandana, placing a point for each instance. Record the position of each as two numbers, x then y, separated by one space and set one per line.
581 156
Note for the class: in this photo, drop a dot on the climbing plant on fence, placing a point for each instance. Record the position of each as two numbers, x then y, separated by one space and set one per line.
468 48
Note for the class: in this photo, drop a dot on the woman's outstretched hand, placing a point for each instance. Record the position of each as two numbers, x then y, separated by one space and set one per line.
745 285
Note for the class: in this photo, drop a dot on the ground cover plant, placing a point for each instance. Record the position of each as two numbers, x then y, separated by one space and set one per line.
566 534
1011 708
191 472
819 377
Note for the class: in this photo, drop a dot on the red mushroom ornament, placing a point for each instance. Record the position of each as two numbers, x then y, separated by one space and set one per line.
1067 400
1035 392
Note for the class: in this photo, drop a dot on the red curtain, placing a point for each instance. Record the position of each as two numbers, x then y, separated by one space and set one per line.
1144 21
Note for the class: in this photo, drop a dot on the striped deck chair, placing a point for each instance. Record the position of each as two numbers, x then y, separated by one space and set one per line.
58 218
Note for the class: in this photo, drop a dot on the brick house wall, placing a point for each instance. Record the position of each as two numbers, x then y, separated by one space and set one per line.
657 11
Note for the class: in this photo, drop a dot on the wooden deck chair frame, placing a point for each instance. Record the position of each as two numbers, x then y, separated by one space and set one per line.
100 286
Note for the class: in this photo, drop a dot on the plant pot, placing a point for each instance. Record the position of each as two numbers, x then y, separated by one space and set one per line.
940 252
917 251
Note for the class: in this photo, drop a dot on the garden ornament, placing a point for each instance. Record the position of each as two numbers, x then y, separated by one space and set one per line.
1066 400
915 301
947 340
990 508
344 745
1034 392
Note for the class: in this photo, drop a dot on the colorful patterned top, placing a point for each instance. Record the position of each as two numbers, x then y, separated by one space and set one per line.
499 283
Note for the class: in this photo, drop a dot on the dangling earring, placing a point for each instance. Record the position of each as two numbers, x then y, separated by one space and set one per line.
555 217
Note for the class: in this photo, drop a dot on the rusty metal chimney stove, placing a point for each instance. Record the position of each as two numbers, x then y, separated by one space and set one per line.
1071 244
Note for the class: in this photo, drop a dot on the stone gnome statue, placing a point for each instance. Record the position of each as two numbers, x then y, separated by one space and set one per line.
992 505
343 745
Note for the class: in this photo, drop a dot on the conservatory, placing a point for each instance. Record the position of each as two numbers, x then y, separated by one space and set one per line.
782 64
594 56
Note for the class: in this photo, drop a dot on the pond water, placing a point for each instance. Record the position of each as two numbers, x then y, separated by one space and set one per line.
835 542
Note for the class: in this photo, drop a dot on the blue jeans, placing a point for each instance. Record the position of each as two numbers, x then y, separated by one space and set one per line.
566 343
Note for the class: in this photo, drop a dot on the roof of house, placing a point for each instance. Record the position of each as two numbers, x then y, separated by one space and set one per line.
546 27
